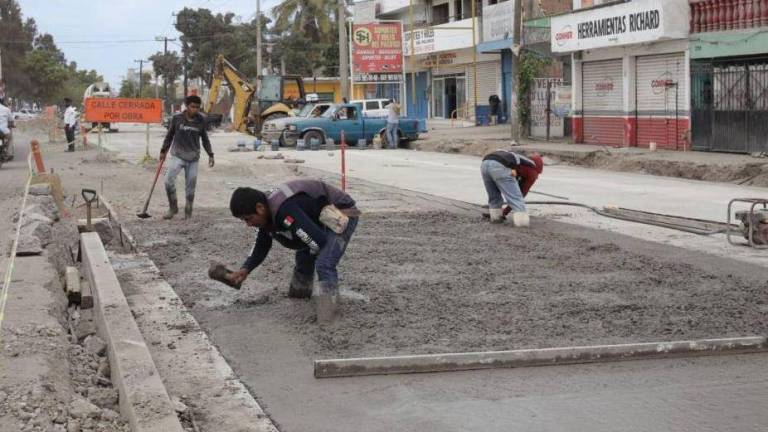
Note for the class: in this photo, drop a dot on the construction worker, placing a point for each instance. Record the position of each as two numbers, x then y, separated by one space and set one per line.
508 176
185 131
311 217
70 123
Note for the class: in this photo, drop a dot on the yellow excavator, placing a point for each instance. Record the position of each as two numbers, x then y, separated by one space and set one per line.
270 103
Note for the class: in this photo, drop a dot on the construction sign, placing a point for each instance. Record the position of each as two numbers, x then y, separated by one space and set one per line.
123 110
377 50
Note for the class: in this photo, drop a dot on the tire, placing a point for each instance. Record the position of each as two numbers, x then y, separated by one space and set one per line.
281 140
314 134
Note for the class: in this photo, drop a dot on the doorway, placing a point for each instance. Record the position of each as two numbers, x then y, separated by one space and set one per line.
449 96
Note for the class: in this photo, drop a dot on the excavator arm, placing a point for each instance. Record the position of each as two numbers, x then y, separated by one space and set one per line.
242 89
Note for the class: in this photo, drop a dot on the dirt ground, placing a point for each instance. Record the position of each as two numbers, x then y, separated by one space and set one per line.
737 169
430 282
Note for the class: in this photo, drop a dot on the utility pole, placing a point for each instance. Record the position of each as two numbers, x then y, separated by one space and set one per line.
165 41
184 52
514 123
258 43
343 50
1 65
141 70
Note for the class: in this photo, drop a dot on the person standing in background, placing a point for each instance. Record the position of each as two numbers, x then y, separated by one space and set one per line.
393 120
70 122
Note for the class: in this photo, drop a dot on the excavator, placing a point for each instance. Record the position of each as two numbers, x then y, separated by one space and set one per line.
269 102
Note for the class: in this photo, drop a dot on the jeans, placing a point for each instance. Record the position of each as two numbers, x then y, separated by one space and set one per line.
175 165
392 139
501 186
326 261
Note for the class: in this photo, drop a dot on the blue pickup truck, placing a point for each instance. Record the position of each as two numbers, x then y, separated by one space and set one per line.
349 118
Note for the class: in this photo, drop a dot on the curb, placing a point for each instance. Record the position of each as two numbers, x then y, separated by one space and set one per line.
144 401
535 357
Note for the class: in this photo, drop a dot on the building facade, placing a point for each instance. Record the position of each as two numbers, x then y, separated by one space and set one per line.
729 75
630 72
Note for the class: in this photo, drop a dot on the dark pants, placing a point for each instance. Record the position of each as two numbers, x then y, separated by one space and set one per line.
69 131
326 261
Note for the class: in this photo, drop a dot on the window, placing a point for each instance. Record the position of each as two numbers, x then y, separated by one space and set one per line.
440 14
371 105
457 6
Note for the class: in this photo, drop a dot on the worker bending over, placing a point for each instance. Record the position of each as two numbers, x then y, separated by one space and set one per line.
508 176
185 132
309 216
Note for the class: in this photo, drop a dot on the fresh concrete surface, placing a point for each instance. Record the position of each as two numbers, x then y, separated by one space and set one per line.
144 401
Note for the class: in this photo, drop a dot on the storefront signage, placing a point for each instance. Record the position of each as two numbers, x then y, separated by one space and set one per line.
377 48
556 110
365 78
604 86
626 23
444 37
499 21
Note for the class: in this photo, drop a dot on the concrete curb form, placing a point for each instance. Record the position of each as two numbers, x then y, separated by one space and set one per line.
535 357
144 400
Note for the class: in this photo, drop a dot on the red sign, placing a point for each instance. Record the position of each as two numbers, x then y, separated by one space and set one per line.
377 48
123 110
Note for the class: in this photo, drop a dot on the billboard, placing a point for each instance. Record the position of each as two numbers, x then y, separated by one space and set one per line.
377 52
123 110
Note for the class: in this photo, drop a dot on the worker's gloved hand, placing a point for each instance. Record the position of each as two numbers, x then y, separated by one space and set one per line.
210 161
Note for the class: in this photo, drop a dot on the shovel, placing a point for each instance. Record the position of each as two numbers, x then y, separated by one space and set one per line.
144 214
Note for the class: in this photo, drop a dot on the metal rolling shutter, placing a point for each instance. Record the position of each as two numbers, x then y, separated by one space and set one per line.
488 81
662 101
603 102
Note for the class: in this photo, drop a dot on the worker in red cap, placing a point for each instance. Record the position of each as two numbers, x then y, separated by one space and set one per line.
508 176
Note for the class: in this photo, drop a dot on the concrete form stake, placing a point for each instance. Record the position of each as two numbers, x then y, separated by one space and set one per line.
535 357
343 162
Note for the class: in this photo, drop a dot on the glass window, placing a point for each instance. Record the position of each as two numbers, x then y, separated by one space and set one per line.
271 88
371 105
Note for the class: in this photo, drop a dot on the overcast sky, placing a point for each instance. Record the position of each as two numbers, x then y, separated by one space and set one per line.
109 35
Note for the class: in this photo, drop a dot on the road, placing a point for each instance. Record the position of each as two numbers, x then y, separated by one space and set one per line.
704 394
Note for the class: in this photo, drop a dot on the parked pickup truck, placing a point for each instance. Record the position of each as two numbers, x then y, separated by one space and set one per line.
349 118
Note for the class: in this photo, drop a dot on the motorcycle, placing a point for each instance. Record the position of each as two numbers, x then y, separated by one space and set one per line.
6 147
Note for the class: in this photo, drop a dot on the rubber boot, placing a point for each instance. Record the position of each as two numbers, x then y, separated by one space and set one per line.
188 208
173 207
326 300
496 215
301 286
520 219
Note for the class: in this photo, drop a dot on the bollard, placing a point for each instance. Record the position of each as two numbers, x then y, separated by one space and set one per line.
275 145
329 144
314 144
37 156
301 145
361 144
343 163
256 144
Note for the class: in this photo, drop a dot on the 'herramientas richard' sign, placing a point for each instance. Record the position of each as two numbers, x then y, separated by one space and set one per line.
627 23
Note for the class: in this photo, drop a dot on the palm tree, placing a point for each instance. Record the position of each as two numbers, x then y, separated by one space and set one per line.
308 17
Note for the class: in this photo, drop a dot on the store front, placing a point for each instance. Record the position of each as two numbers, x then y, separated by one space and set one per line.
630 73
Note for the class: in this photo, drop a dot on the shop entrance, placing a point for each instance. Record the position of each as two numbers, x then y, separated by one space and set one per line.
449 96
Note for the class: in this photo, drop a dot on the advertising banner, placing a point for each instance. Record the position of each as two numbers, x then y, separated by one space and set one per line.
377 52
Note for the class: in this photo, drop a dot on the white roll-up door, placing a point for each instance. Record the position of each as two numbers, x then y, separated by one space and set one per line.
603 102
662 100
488 81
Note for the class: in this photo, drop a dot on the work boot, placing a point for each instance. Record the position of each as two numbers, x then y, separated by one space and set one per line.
188 209
173 207
301 286
520 219
496 215
326 298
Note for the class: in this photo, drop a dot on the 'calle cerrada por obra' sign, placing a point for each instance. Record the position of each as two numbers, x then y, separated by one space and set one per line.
622 24
123 110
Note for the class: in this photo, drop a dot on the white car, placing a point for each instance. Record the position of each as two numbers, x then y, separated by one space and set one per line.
24 114
374 108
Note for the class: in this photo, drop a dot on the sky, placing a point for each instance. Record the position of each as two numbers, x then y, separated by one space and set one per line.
109 35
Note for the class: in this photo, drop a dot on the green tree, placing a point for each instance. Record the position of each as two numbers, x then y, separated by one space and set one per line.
46 74
16 36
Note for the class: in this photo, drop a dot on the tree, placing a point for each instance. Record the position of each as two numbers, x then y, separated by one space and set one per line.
46 74
16 38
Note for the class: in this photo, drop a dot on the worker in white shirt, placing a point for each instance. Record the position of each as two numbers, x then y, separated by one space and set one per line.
70 122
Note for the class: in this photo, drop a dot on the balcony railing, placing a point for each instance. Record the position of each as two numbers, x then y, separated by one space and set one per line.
721 15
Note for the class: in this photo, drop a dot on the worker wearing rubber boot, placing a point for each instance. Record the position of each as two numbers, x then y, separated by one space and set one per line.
508 176
311 217
185 132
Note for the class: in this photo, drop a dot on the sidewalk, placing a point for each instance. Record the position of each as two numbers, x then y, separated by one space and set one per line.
693 165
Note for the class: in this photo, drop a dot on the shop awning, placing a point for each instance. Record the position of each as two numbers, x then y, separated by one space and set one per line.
494 46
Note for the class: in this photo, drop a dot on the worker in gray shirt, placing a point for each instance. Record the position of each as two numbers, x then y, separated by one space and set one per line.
186 130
